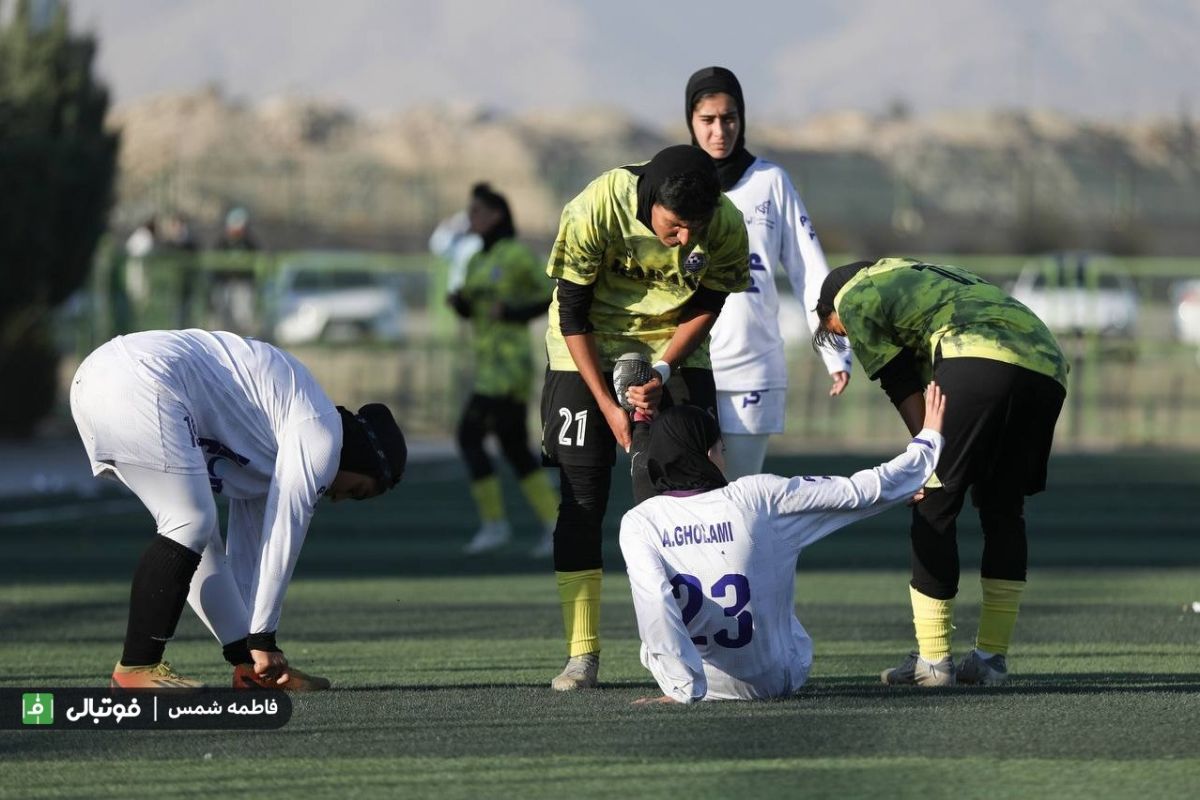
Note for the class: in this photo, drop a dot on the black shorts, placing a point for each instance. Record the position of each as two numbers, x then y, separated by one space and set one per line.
574 432
999 425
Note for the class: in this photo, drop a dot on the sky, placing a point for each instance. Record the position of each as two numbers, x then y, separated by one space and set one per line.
1107 59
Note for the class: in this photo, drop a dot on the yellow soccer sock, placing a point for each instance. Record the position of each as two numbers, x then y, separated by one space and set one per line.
998 614
540 494
931 619
488 499
580 596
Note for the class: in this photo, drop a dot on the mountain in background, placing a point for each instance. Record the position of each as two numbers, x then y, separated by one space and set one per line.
320 174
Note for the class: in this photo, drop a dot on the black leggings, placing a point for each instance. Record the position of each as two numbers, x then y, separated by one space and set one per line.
586 480
999 426
503 417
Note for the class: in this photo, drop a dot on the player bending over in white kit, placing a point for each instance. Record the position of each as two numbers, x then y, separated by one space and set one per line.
178 416
712 565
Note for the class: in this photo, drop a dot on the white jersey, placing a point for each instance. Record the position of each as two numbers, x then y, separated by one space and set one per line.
713 574
247 413
746 346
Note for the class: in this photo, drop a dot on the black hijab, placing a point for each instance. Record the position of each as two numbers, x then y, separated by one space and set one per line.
667 163
833 283
712 80
677 456
373 444
504 227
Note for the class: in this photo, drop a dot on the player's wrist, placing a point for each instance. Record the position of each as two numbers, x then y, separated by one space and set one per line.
663 369
263 641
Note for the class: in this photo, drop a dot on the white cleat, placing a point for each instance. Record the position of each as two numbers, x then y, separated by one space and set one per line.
975 670
491 536
916 671
545 546
580 672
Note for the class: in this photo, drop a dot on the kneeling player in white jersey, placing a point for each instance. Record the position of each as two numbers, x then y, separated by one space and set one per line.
712 565
178 416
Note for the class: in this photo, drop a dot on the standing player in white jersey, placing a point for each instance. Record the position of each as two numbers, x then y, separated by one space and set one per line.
749 363
178 416
712 565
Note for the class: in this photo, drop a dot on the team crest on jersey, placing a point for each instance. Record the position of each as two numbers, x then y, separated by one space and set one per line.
762 216
695 262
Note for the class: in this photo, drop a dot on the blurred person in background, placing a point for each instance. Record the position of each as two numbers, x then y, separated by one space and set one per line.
747 349
234 292
502 290
141 243
236 234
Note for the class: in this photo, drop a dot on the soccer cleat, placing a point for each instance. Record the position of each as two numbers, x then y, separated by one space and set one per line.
580 672
545 546
490 536
916 671
152 676
975 670
631 369
244 677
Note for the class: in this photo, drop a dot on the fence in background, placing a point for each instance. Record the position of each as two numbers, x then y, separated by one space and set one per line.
1144 392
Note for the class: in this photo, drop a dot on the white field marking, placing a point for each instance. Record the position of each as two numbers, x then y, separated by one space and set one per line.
38 516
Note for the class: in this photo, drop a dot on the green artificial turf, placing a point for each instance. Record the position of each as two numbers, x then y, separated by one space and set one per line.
441 664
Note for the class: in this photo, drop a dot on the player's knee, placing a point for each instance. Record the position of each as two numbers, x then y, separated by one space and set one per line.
195 529
936 588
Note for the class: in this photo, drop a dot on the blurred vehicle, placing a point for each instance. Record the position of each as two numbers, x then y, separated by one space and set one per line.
1080 294
1185 305
335 297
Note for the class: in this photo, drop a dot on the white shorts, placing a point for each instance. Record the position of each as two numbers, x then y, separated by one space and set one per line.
758 412
127 417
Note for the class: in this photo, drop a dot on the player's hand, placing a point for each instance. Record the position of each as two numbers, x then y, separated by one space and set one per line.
645 398
270 664
840 380
660 700
618 420
935 407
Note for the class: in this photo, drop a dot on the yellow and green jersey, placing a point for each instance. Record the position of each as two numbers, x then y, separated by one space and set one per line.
900 303
507 273
641 285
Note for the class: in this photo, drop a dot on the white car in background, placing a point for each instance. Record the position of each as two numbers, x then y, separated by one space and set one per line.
1080 294
335 297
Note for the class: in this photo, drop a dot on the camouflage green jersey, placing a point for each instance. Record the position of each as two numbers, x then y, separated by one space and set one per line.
899 303
507 273
641 285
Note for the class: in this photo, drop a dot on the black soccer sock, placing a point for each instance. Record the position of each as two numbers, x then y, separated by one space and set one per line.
237 653
160 588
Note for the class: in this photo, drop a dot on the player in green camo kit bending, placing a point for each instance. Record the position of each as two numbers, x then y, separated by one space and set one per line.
1005 378
504 288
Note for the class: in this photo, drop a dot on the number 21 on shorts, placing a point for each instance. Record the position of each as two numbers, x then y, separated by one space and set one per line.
579 418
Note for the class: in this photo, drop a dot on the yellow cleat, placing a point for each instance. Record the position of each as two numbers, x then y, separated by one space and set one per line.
153 676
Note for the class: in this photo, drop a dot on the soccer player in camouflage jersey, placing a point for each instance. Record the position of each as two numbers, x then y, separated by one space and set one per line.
1005 378
644 258
504 288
